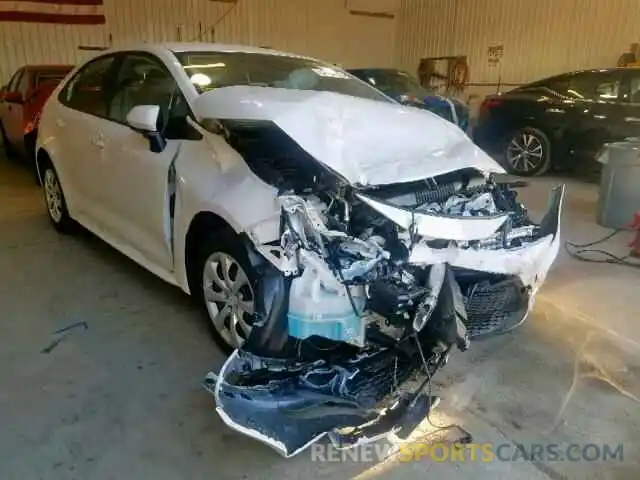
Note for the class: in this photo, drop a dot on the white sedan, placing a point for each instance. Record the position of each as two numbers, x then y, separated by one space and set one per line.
338 241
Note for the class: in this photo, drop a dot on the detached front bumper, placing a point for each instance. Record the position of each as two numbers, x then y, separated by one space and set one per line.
294 410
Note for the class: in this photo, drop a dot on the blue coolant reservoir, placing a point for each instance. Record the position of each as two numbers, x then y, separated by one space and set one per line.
319 305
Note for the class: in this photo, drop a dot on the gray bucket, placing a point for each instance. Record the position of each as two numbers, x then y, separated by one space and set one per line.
619 196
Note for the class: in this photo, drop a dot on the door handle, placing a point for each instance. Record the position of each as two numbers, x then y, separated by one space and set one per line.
632 119
98 140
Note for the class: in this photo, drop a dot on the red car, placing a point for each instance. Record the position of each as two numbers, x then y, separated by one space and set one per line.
21 102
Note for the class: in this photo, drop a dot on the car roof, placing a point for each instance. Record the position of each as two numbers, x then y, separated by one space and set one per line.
45 68
583 71
375 69
179 47
602 70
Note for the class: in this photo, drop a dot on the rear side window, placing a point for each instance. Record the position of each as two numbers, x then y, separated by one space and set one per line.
557 85
580 86
88 89
594 86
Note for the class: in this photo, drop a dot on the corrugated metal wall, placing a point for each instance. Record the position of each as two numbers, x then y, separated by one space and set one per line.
322 28
540 37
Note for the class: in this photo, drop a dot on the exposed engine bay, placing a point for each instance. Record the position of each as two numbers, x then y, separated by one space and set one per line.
354 300
395 246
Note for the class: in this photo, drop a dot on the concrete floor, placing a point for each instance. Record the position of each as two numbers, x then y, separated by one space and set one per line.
121 399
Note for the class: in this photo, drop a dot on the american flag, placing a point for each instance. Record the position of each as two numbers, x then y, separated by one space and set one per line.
71 12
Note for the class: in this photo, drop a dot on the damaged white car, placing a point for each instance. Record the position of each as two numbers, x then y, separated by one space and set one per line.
339 242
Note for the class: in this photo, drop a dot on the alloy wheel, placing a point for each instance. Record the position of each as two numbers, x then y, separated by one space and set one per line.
53 195
525 153
228 297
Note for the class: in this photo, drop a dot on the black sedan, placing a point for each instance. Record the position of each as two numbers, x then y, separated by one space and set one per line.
561 122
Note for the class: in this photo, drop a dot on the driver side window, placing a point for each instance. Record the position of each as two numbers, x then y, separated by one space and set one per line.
144 80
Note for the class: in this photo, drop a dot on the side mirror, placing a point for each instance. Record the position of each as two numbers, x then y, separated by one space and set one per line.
12 97
212 125
144 118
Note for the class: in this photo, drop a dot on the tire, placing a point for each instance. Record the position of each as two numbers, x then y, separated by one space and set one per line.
55 202
527 152
227 299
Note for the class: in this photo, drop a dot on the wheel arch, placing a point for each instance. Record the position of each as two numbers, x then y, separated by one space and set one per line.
42 158
203 226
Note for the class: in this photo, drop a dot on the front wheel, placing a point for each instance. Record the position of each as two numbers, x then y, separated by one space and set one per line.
55 201
528 152
227 292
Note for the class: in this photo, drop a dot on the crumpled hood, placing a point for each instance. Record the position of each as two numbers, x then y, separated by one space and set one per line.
368 142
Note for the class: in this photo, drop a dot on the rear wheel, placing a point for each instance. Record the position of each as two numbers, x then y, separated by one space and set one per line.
227 286
528 152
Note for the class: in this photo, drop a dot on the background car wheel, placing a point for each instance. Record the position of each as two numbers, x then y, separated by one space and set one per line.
55 201
528 152
227 289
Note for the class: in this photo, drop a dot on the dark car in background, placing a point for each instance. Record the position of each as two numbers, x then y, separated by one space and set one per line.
21 101
406 89
561 122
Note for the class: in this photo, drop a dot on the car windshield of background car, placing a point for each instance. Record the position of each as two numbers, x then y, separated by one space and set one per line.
397 82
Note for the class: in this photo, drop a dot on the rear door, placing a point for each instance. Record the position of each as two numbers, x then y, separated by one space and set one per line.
12 121
629 108
79 126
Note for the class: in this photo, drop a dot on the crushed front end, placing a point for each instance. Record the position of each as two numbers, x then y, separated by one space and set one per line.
369 287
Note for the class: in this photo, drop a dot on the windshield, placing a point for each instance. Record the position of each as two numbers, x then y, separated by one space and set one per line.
210 70
394 82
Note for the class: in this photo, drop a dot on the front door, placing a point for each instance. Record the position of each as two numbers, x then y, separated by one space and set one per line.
598 101
137 184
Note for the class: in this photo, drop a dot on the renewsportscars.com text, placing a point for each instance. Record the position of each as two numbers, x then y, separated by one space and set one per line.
472 452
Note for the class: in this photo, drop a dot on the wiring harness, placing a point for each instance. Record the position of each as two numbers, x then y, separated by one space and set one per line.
581 252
